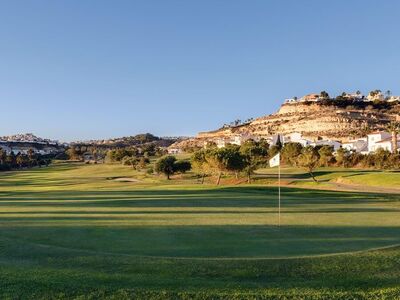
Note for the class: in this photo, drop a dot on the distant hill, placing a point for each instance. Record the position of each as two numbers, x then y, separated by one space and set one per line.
136 140
330 119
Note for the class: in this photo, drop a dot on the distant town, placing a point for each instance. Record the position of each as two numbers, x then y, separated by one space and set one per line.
375 95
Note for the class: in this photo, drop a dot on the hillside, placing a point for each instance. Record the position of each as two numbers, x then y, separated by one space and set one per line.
139 139
338 120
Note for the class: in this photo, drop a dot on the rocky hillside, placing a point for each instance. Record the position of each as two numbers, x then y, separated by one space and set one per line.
338 120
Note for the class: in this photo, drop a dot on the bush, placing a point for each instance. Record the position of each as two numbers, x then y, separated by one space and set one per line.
182 166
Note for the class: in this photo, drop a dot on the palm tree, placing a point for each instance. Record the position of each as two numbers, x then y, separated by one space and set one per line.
394 129
324 95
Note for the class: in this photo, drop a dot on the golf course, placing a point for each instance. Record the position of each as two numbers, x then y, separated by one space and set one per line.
105 231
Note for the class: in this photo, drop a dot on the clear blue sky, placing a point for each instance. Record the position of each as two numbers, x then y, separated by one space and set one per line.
98 69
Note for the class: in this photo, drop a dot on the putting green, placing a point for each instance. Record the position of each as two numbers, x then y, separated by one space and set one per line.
74 208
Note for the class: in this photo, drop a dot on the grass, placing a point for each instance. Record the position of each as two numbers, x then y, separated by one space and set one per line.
369 178
71 231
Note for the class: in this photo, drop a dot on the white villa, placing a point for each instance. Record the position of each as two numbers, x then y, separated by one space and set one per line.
354 96
221 143
393 99
334 144
374 140
386 144
238 139
290 101
296 137
378 96
174 151
310 97
358 145
364 145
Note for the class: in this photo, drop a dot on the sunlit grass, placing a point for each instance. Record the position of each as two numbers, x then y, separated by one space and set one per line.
72 221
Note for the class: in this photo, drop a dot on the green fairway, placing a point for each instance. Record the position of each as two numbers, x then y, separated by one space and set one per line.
69 222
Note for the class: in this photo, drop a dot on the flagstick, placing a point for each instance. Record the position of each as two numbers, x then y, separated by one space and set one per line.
279 195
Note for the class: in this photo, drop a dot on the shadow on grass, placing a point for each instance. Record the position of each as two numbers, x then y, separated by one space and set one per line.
307 176
221 197
207 241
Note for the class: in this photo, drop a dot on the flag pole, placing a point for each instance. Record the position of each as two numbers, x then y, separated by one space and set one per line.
279 194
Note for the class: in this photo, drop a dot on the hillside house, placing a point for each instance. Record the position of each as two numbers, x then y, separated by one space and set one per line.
334 144
310 98
221 142
393 99
374 139
296 137
386 144
354 96
238 139
174 151
359 146
290 101
241 138
375 96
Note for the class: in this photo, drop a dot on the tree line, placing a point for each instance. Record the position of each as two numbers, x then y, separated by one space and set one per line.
12 161
246 159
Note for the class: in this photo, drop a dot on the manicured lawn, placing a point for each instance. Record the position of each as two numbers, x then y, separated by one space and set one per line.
71 230
326 176
378 179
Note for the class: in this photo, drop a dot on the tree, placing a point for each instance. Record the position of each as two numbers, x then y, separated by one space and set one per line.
227 159
142 163
20 160
290 152
255 154
325 155
324 95
342 155
130 161
165 165
381 158
182 166
375 93
3 157
394 129
72 153
199 163
31 157
10 159
309 159
235 161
